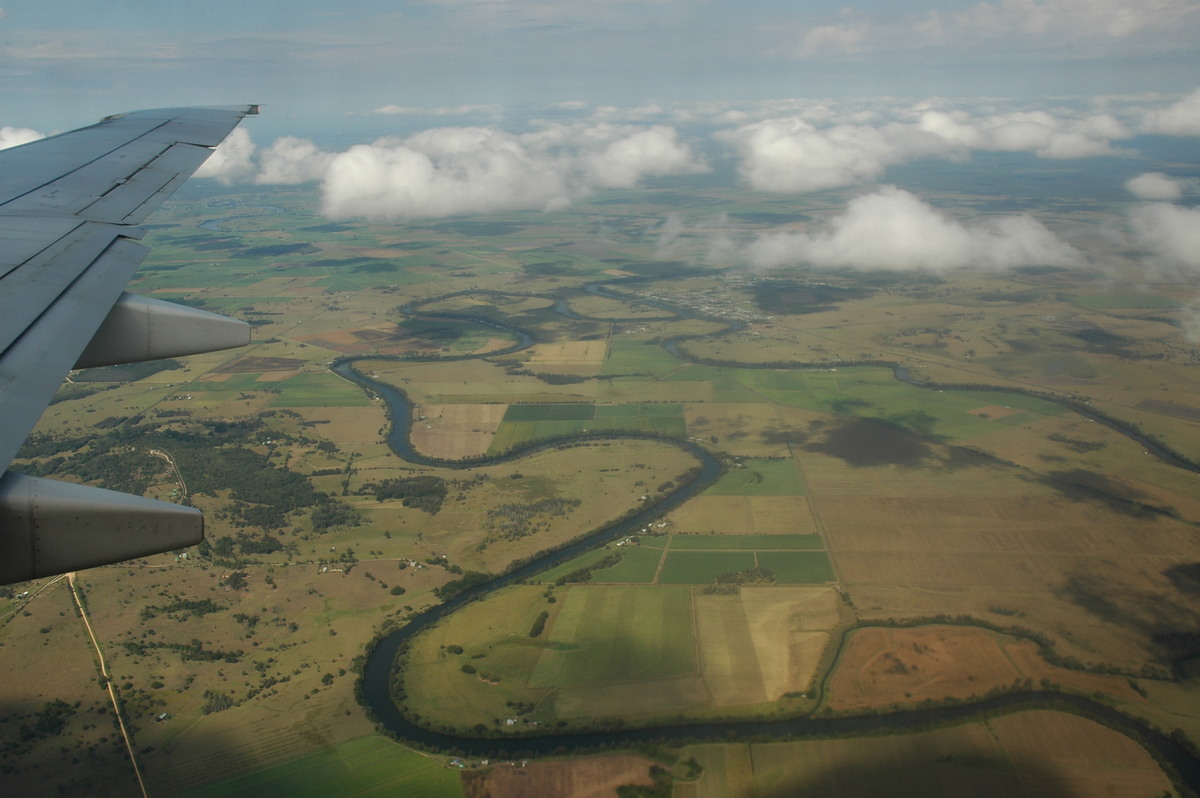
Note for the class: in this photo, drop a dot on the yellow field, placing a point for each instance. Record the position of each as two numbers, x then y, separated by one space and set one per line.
456 431
745 515
765 642
568 353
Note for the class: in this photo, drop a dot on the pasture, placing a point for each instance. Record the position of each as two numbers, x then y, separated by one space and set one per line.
366 766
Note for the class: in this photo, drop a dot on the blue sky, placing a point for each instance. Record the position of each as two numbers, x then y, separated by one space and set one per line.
68 60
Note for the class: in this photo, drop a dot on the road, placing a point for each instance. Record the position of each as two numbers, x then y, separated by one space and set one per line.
108 683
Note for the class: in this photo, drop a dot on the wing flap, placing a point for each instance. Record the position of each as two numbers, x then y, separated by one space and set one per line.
128 202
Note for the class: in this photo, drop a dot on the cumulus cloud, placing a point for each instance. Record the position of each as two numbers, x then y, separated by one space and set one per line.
442 173
451 171
1154 186
892 229
1170 233
1180 119
290 160
1028 131
792 154
231 160
12 136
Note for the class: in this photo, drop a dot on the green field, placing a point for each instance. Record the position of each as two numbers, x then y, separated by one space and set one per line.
523 423
642 358
318 390
702 567
758 477
637 565
797 567
612 634
366 766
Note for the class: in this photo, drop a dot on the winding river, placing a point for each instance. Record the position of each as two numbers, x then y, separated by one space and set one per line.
378 670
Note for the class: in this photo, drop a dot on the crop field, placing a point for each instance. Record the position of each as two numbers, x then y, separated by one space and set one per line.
797 567
588 777
702 567
366 766
763 642
754 515
524 423
456 431
745 542
637 566
629 356
615 634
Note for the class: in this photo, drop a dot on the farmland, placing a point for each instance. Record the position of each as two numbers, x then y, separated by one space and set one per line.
852 504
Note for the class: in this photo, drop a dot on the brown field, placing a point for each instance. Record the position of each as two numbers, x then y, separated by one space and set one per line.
568 353
249 365
349 427
592 777
745 515
746 428
1077 557
456 431
473 381
1024 755
764 642
882 667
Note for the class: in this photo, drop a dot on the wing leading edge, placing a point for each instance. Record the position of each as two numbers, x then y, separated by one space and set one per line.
69 206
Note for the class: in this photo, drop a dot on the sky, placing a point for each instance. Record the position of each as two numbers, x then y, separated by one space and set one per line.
400 110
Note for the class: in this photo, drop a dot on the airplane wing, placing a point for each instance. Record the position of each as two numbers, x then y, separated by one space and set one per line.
69 209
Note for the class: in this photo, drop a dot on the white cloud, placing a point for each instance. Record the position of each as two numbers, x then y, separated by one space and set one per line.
1028 131
792 154
648 153
231 160
892 229
496 111
450 171
290 160
12 136
1180 119
1170 233
1154 186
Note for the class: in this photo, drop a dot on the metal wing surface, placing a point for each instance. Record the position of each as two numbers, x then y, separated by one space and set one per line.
69 209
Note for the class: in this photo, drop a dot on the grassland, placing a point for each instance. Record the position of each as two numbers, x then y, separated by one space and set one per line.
366 766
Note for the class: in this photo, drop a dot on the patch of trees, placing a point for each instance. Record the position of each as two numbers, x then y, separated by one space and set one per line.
216 702
331 513
424 493
513 521
50 722
183 607
1076 444
661 788
585 574
188 652
539 624
465 582
750 576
